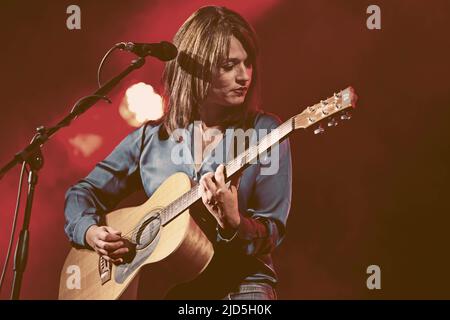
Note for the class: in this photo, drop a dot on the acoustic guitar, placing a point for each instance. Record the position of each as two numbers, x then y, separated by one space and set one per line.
169 244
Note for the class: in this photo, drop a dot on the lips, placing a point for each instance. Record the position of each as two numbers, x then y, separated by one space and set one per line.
241 90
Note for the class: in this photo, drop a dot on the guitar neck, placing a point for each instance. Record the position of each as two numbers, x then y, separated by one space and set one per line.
331 107
234 166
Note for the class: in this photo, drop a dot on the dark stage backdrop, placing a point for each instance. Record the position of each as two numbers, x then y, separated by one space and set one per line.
371 191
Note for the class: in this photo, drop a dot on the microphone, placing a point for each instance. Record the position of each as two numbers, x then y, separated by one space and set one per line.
164 50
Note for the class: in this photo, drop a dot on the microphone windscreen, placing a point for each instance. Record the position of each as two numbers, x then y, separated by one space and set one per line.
166 51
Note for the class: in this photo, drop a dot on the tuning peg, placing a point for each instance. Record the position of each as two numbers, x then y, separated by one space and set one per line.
333 122
346 116
319 130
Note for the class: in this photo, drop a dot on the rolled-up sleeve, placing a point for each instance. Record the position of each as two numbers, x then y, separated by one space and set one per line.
262 227
109 182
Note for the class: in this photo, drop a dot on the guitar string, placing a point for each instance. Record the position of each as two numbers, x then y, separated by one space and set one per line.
183 202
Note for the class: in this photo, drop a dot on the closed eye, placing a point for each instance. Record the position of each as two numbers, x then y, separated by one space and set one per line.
228 67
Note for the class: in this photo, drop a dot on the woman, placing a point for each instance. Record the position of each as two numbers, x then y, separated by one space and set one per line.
210 88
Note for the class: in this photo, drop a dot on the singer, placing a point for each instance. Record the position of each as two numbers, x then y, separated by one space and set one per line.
212 86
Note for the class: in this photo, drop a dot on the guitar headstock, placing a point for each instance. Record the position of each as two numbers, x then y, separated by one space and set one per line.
332 108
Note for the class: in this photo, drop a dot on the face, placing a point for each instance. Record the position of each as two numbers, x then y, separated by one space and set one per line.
231 81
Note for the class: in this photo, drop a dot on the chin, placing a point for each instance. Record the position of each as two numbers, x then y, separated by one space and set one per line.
235 101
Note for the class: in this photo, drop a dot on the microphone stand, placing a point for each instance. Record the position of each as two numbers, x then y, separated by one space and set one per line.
33 157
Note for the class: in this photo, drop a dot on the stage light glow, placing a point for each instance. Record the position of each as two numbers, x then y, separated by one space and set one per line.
140 104
85 144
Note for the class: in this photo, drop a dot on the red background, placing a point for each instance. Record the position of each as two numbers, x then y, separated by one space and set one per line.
370 191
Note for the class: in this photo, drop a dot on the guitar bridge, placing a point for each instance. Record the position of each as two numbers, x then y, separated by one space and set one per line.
104 269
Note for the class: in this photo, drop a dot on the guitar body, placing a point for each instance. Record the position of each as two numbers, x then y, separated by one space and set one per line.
178 252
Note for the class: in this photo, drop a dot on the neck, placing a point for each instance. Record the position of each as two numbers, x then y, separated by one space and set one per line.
205 127
220 117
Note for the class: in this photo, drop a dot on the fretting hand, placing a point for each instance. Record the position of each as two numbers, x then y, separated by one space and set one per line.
221 201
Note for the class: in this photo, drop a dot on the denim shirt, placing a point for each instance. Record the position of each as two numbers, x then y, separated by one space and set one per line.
143 160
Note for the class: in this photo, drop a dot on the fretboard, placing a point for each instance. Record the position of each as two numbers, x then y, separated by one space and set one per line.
245 158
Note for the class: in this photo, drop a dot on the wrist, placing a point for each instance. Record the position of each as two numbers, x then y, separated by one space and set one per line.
230 227
88 237
226 234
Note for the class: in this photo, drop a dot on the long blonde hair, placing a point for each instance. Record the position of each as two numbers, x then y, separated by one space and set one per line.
203 41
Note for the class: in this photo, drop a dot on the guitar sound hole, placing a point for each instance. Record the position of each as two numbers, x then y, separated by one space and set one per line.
147 231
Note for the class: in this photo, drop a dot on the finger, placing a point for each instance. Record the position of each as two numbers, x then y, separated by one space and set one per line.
113 231
109 246
99 244
202 187
207 192
119 253
117 261
208 174
209 184
111 237
209 197
101 252
204 199
219 176
108 237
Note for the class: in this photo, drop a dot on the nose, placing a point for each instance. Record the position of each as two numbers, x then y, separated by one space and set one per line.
244 74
